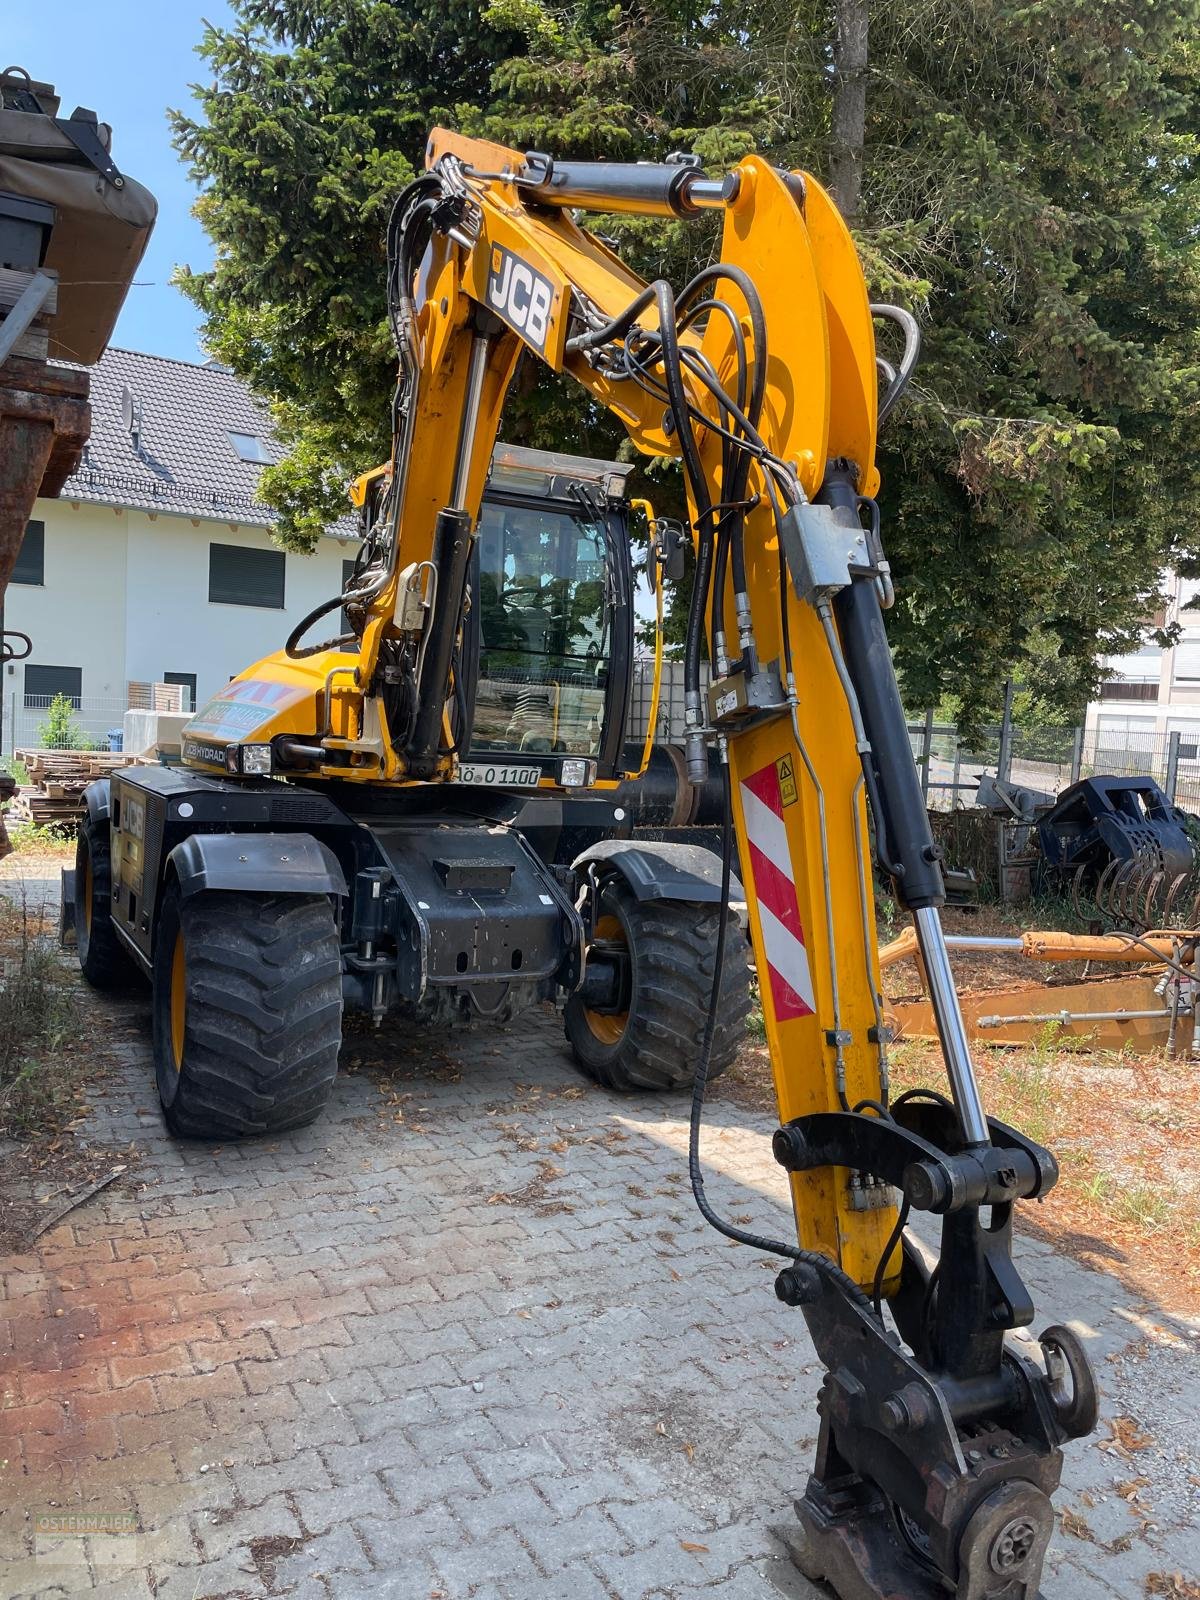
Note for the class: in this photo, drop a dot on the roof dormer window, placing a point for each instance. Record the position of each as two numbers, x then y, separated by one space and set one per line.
250 447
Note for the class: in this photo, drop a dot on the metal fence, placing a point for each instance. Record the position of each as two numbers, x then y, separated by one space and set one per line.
28 724
1050 759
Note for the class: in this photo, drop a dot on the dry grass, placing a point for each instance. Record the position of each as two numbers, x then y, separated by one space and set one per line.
1125 1128
1126 1132
38 1073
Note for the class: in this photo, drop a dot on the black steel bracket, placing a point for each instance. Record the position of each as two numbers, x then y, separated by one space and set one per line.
940 1442
930 1178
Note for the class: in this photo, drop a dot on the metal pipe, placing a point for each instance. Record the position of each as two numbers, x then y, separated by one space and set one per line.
982 941
476 373
31 300
998 1021
951 1031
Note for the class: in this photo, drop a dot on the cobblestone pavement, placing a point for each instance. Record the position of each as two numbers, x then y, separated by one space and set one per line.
467 1337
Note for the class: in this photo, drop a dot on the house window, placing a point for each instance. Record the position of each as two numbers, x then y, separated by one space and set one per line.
43 683
1187 661
188 681
31 560
249 447
240 576
1140 666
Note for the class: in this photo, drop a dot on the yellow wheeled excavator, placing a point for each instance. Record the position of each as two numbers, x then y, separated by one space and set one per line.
331 831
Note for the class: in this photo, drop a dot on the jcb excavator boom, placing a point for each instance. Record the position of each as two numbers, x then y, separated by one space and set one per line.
940 1436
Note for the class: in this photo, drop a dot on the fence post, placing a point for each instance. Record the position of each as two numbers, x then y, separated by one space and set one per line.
1077 756
957 770
926 749
1004 754
1172 765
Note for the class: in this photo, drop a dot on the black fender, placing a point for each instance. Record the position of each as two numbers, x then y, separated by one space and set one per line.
659 870
97 797
256 863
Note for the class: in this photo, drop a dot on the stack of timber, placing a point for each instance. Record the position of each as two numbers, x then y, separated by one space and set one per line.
54 797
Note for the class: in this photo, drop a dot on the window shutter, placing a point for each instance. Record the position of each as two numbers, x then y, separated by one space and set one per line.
31 559
43 683
241 576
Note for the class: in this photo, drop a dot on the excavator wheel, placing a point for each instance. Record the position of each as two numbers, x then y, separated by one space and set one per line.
103 960
247 1012
672 947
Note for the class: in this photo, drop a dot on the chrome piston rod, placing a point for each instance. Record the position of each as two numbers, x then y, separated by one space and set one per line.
951 1031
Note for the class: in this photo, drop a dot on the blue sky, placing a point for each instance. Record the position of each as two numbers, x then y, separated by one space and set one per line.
129 60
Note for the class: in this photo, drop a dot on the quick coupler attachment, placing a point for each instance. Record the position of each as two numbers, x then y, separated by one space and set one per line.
941 1435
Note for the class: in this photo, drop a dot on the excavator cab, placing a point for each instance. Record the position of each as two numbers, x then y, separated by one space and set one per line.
547 653
550 628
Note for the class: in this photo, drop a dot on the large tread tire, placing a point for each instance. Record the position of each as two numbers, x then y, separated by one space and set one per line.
673 952
103 959
254 1049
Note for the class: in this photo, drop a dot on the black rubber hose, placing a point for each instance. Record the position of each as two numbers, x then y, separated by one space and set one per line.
295 651
736 472
756 1241
694 473
894 1239
619 326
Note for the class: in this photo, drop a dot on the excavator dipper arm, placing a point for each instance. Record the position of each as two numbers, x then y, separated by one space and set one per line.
940 1436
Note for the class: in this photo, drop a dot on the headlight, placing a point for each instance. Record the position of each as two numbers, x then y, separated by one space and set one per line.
256 760
576 774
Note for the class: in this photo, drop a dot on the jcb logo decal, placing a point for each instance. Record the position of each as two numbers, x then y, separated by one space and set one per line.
521 296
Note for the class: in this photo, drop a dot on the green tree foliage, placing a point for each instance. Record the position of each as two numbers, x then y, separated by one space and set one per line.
1028 187
60 731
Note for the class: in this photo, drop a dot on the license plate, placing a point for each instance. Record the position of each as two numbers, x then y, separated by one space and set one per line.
510 777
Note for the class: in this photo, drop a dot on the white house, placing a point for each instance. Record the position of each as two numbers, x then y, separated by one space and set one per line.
155 565
1154 692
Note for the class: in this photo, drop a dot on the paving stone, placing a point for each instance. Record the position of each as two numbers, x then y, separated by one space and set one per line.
222 1533
416 1486
501 1559
322 1509
500 1402
394 1536
329 1555
564 1541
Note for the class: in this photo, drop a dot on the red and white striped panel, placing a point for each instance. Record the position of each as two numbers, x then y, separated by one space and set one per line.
775 888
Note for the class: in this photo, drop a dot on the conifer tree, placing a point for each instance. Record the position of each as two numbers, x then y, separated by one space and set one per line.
1026 183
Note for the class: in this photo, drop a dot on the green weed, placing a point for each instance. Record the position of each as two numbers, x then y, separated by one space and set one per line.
37 1016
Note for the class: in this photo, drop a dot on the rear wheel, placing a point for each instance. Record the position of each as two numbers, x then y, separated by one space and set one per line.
247 1012
672 947
103 959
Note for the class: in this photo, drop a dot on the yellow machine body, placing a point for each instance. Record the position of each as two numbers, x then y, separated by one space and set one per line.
785 231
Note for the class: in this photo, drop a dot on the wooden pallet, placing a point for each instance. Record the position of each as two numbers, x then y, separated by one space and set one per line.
54 799
32 806
69 766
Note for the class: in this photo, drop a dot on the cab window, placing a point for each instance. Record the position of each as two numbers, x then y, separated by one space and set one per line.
545 631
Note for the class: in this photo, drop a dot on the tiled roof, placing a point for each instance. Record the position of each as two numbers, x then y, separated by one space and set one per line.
183 460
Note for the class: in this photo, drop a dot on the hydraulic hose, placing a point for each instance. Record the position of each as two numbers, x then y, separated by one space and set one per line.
694 473
756 1241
